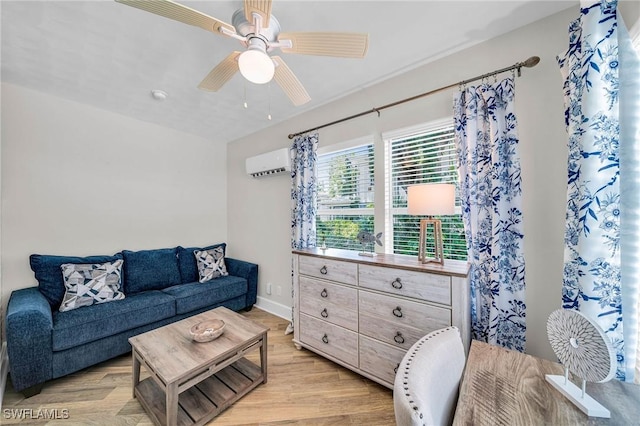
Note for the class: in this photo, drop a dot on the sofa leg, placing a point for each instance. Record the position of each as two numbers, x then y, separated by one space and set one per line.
248 308
32 391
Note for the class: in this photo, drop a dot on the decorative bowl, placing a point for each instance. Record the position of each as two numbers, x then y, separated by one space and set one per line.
207 331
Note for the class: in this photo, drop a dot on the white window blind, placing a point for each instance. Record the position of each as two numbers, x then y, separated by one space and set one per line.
345 196
425 155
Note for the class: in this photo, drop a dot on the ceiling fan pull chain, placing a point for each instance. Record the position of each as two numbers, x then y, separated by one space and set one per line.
246 105
269 101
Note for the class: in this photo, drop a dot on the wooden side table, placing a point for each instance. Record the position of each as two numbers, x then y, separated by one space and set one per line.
505 387
190 383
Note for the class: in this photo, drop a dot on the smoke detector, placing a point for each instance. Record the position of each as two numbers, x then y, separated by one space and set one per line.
159 95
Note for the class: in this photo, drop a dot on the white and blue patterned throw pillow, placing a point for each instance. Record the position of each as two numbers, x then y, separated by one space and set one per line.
89 284
210 264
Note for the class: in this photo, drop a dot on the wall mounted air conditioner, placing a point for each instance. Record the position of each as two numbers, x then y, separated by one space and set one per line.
269 163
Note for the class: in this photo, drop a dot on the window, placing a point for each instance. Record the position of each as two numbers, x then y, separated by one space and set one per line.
345 194
425 154
346 188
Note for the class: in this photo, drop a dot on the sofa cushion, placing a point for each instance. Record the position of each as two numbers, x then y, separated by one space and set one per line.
210 264
80 326
150 269
91 283
192 296
187 261
49 275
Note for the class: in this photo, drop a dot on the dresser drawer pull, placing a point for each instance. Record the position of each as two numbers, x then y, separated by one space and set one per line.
397 284
324 293
395 370
323 270
324 313
397 312
325 339
398 338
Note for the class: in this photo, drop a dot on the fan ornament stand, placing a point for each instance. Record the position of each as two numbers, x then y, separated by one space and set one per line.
582 348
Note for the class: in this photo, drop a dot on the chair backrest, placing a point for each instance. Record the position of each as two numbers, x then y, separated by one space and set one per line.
426 386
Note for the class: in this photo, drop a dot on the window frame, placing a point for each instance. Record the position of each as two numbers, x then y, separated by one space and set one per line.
342 212
388 138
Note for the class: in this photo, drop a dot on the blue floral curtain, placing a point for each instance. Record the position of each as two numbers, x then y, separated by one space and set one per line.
304 191
491 195
304 194
602 259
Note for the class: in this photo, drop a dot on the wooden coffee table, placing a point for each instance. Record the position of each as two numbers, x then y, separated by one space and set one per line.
190 383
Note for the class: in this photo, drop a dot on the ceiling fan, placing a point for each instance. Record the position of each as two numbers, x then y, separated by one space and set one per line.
259 32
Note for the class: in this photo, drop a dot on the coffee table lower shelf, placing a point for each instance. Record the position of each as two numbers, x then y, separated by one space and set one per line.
205 400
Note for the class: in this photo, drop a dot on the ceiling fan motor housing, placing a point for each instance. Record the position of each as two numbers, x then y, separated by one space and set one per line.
248 29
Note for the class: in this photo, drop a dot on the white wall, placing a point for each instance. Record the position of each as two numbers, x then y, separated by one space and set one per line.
77 180
1 296
259 219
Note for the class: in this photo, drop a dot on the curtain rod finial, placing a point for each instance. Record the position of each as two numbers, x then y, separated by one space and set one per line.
531 62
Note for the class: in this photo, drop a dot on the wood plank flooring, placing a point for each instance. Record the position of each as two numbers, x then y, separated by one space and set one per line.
303 389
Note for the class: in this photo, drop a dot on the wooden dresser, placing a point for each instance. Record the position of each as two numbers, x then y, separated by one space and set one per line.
365 312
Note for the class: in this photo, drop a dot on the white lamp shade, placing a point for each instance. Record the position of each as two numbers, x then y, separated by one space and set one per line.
256 66
431 199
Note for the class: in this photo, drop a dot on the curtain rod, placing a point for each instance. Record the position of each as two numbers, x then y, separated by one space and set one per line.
529 63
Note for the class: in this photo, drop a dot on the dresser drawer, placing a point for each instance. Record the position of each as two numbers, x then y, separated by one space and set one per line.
380 360
334 270
331 339
383 317
418 285
400 336
330 302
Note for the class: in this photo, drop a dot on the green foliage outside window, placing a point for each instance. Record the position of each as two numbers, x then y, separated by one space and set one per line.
408 228
342 231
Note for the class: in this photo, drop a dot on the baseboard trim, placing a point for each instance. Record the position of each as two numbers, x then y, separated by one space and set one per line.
274 308
4 369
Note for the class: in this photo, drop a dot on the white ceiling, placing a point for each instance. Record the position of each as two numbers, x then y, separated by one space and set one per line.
111 56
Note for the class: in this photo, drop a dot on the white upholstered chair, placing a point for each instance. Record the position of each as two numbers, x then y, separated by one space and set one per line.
425 391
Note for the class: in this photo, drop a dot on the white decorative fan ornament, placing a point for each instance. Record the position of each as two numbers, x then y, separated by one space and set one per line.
584 350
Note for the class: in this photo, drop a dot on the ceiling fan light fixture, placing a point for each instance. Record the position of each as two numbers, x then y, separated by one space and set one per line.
255 65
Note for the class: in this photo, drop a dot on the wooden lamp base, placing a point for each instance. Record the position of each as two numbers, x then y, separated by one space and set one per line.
438 256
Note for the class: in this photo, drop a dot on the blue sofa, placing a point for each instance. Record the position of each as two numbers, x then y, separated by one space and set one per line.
160 286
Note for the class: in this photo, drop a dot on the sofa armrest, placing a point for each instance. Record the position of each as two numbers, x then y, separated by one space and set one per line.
247 270
29 338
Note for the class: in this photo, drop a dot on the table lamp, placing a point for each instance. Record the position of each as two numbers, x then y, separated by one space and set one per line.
431 199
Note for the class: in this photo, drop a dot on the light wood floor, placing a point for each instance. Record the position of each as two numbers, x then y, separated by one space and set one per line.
303 388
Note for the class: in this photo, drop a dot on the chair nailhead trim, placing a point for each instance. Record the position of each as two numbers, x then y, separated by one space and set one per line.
408 365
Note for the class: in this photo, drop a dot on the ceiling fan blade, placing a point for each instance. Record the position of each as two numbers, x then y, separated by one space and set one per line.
221 73
261 7
180 13
345 45
289 83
